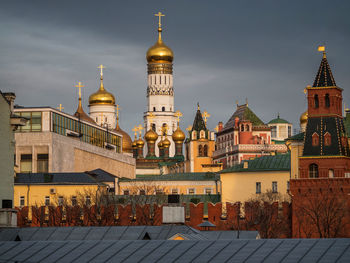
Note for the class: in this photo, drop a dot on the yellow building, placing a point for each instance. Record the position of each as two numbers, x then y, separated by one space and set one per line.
200 146
252 178
182 184
61 188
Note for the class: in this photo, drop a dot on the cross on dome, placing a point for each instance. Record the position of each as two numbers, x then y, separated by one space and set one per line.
60 107
205 115
79 85
159 14
178 114
101 67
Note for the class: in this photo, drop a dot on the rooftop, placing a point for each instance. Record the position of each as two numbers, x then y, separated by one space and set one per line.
174 177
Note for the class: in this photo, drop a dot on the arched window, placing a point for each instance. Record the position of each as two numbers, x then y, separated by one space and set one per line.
202 134
247 127
205 150
153 127
194 135
200 153
163 108
242 127
316 101
331 173
154 108
326 101
327 139
313 170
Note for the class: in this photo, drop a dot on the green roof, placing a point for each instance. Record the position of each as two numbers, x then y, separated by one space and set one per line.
278 120
296 137
174 177
347 123
280 162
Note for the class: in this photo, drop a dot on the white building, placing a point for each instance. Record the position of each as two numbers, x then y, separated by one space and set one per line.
280 129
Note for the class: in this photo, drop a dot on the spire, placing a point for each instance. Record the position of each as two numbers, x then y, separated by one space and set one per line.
101 67
80 111
324 77
159 14
198 123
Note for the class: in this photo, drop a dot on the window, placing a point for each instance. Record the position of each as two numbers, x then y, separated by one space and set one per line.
47 200
60 200
200 150
74 200
191 191
274 187
288 186
154 108
21 201
42 163
26 163
273 131
331 173
327 139
258 187
159 191
313 170
208 191
315 139
163 108
202 134
174 191
326 101
142 192
316 101
34 121
289 131
126 192
205 150
87 200
247 127
242 127
154 127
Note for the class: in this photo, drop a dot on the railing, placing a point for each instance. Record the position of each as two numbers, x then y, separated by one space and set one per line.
251 148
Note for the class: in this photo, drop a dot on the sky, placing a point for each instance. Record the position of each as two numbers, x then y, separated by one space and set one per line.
224 51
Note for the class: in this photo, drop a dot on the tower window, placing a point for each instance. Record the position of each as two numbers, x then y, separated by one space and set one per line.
153 127
274 187
313 170
331 173
200 150
205 150
163 108
316 101
242 127
247 127
326 100
315 139
327 139
154 108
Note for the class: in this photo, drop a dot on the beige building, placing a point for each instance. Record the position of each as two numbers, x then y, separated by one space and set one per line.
252 178
54 141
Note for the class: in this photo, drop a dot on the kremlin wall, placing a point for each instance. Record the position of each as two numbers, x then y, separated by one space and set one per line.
59 156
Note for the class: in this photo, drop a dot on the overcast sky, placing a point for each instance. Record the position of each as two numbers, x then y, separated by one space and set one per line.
224 51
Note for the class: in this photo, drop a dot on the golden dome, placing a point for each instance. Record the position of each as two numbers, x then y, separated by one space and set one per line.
140 143
304 117
151 136
134 144
127 142
160 144
178 135
166 143
159 52
101 96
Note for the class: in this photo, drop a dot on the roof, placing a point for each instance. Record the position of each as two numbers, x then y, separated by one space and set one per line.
296 137
174 177
267 250
320 126
198 123
244 113
206 224
324 76
279 162
347 122
92 177
278 120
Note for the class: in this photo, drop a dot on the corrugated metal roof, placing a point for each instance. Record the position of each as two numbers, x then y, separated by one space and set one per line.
268 250
280 162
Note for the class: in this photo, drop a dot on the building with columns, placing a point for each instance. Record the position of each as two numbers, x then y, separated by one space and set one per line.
160 90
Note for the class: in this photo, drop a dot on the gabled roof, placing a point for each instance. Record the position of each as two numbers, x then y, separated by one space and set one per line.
198 123
244 113
324 77
280 162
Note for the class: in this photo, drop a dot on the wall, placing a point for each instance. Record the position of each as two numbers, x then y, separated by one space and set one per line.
6 152
241 186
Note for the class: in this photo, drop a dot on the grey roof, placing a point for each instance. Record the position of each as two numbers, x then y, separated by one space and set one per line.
206 224
230 235
268 250
92 177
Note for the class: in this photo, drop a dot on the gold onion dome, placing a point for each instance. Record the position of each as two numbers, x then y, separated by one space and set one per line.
140 143
160 144
102 96
151 136
166 143
178 135
134 144
159 52
304 117
127 142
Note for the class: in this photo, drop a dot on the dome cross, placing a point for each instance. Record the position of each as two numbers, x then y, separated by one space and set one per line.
205 115
178 114
101 67
79 85
159 14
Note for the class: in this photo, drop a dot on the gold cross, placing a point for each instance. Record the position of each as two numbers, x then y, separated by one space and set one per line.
140 128
178 114
151 117
101 67
160 18
117 108
135 130
60 107
205 115
216 128
79 85
189 128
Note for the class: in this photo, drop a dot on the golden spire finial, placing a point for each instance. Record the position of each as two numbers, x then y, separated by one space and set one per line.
101 67
62 108
216 128
198 106
140 128
79 85
178 114
205 115
151 117
246 101
159 14
322 49
135 130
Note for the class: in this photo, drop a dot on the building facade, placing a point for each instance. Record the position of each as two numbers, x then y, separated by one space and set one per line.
280 130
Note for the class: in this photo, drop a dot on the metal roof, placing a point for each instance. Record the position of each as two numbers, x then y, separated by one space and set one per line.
268 250
208 176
